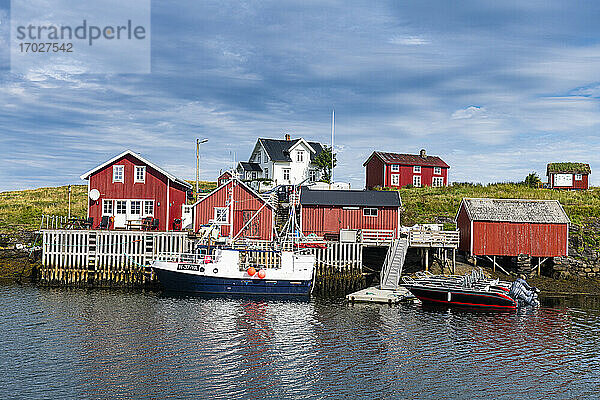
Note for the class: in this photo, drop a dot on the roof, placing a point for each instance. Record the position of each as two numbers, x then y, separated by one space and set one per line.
408 159
515 210
250 166
279 150
239 182
569 168
143 160
356 198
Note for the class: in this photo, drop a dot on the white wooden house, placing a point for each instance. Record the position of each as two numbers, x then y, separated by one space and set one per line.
285 162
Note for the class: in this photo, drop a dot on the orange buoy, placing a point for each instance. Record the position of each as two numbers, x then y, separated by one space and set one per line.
251 271
262 274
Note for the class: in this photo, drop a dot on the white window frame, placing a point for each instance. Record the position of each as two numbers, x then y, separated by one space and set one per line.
395 177
258 157
437 181
266 173
416 169
370 212
115 178
395 168
437 170
312 175
124 208
417 181
578 177
225 211
300 156
286 171
140 209
105 202
136 179
254 174
145 213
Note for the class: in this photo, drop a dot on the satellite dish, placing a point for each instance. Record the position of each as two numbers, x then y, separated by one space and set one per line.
94 194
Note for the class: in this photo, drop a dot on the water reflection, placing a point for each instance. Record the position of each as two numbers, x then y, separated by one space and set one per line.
107 344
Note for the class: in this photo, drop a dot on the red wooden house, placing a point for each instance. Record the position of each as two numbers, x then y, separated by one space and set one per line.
129 188
329 211
507 227
223 178
234 205
568 175
398 170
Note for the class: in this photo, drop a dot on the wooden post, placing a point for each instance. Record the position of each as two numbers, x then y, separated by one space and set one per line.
427 259
494 266
539 266
453 261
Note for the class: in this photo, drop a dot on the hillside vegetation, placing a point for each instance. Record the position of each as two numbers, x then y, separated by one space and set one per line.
22 210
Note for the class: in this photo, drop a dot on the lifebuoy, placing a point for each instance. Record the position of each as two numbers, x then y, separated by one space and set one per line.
207 260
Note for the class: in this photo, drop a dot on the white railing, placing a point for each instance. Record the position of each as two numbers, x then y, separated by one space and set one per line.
377 236
434 238
188 258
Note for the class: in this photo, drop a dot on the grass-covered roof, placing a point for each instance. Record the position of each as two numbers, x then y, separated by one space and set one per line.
569 167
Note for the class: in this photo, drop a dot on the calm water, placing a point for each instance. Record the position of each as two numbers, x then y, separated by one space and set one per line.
106 344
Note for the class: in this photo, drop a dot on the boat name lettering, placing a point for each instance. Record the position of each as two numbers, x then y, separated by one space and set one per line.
187 267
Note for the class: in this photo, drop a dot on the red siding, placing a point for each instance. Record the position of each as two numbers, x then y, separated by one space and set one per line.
374 171
582 184
464 225
326 219
245 200
154 188
380 174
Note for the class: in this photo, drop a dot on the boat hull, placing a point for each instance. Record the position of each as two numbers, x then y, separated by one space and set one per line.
462 298
178 282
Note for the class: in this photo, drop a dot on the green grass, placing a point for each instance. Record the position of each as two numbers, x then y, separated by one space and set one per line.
22 210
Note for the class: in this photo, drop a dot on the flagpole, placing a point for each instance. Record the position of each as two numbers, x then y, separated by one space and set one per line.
332 133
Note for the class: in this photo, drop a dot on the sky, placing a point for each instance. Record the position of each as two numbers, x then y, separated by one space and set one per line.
497 89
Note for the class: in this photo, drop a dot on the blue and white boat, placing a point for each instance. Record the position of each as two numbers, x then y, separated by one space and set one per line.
232 271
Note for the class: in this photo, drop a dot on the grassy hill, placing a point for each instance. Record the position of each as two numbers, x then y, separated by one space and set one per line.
22 210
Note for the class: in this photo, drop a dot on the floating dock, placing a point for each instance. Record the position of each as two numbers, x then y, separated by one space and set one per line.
376 295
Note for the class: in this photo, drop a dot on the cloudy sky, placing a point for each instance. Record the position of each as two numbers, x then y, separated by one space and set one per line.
496 88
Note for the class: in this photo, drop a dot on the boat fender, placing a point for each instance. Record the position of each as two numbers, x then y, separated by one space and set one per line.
251 271
215 270
262 274
201 269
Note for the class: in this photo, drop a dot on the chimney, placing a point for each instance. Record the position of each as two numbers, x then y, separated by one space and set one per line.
423 153
288 137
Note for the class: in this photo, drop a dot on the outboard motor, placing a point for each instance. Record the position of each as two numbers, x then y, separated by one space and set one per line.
523 293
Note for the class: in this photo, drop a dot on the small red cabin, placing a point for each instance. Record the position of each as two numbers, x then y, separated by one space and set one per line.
568 175
507 227
241 209
129 188
398 170
223 178
328 211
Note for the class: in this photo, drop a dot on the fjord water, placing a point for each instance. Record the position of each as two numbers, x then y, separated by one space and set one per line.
98 344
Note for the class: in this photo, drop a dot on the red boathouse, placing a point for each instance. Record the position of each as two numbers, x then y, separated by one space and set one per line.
328 211
568 175
508 227
398 170
235 205
128 188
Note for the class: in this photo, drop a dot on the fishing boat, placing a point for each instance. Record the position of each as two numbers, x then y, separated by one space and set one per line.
471 290
236 271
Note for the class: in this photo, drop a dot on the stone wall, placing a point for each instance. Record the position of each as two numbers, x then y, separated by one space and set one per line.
584 252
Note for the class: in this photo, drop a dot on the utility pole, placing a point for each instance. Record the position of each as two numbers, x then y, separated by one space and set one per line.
198 143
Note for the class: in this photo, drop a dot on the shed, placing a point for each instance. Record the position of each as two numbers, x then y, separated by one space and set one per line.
235 206
510 227
329 211
568 175
131 188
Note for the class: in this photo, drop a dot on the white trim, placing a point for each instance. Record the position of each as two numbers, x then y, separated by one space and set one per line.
168 204
392 176
301 140
112 207
116 168
396 166
241 183
415 171
415 179
370 208
142 159
135 174
215 210
437 170
88 199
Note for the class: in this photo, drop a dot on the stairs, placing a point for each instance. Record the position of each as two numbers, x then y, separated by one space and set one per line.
392 266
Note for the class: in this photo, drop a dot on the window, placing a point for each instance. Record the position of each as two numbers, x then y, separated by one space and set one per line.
369 212
286 174
578 177
417 181
417 169
149 208
140 174
135 207
118 173
253 174
221 215
395 180
312 175
266 173
395 168
107 207
258 157
437 181
121 206
300 156
437 171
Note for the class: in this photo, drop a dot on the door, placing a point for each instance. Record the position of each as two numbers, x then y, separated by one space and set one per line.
120 213
187 216
253 228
